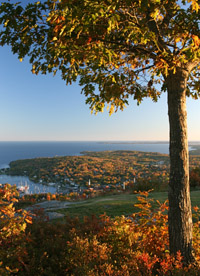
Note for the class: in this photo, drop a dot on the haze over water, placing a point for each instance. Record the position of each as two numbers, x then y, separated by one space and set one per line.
10 151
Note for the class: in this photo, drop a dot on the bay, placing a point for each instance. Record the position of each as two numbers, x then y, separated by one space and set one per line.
23 182
11 151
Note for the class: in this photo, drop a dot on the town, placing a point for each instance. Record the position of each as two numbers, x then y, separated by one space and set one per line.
97 171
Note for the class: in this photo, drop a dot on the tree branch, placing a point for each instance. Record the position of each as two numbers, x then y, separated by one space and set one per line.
153 27
127 47
145 68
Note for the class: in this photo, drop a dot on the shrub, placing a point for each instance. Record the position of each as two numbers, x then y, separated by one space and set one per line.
195 177
12 231
136 245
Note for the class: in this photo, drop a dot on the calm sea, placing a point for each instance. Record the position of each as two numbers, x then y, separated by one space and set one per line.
10 151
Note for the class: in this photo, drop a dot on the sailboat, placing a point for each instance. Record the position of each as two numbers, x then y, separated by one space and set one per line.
23 189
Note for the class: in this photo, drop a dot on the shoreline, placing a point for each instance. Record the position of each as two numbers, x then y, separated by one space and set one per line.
190 143
192 147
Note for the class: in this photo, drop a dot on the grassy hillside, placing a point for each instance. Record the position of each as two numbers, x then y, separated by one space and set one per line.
117 205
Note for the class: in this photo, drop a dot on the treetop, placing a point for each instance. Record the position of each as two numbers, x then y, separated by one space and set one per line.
115 49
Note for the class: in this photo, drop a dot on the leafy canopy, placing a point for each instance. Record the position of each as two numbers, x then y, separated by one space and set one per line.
117 49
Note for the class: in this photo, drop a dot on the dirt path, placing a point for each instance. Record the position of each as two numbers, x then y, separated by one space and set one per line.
51 206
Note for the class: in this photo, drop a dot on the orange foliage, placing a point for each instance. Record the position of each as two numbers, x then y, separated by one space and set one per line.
136 245
12 231
48 197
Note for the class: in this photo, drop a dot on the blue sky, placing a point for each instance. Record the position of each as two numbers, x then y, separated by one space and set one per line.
43 108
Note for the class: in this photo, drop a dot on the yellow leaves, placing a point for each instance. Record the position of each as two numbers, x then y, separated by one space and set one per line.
133 66
6 23
58 21
196 40
112 109
177 39
14 200
97 107
72 61
162 66
33 69
28 220
21 59
113 79
156 14
57 28
145 193
23 227
194 4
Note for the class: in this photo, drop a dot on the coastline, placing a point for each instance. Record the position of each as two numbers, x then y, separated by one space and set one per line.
195 143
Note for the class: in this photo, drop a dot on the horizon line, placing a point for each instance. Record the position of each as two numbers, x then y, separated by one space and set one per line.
106 141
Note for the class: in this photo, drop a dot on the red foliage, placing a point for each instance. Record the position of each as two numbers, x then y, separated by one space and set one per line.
135 245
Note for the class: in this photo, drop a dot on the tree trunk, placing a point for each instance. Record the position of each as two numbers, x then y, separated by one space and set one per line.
179 215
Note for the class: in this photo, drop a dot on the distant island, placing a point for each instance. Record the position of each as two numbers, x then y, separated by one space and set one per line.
134 142
191 143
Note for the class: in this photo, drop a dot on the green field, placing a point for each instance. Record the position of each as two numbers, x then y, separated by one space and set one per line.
116 205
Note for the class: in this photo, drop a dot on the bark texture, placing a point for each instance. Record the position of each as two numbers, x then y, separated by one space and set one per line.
180 215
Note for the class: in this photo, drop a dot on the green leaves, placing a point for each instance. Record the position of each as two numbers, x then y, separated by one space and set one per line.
102 41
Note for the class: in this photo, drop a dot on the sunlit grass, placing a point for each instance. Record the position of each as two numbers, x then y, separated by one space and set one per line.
116 205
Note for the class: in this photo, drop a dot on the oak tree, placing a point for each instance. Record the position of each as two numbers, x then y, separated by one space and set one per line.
121 50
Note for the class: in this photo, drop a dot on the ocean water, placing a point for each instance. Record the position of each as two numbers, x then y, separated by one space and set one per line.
24 181
10 151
